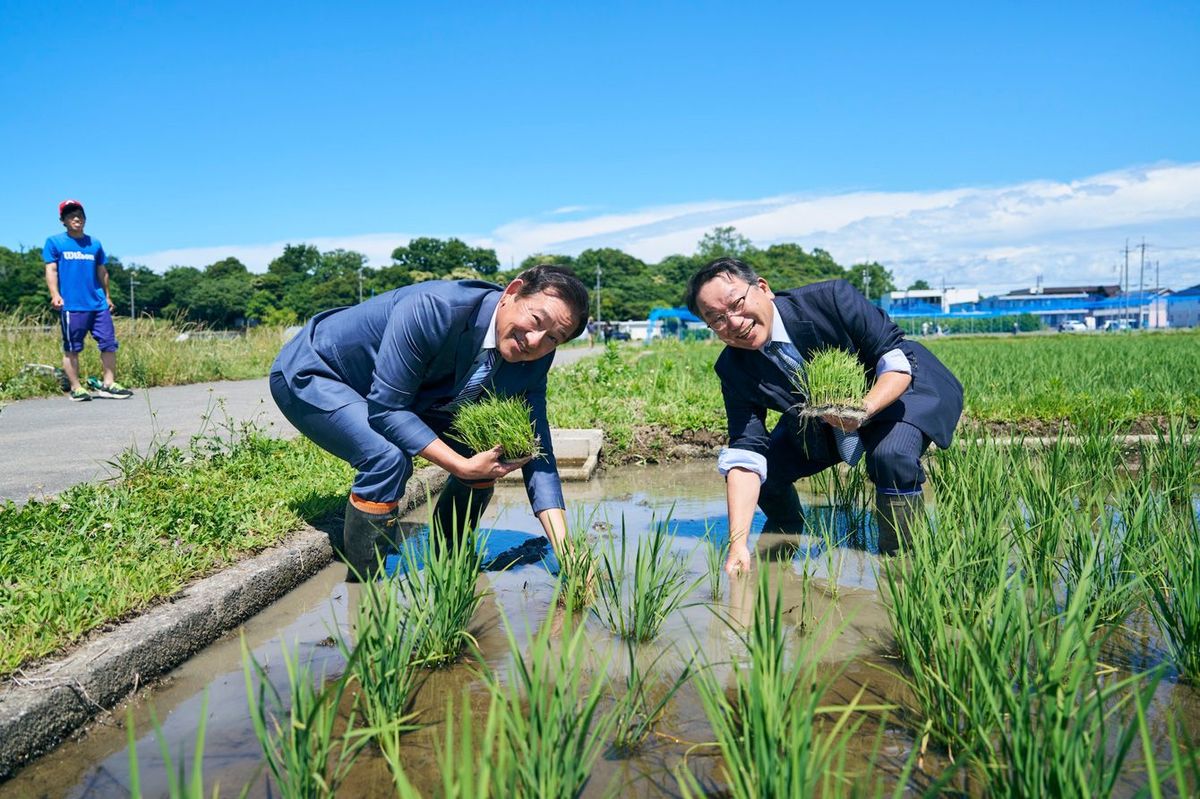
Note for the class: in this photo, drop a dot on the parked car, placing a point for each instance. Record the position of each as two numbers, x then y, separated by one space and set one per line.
1116 325
1072 326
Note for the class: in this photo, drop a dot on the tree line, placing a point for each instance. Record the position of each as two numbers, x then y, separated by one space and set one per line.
303 280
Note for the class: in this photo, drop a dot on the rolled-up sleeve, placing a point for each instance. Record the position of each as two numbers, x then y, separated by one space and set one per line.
731 458
893 361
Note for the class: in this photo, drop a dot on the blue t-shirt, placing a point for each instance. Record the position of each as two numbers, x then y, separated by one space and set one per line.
77 260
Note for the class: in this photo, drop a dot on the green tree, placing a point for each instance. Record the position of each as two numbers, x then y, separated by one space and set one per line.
724 242
23 282
425 254
919 285
871 279
623 283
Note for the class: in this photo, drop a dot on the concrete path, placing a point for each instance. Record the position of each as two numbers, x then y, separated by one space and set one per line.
52 444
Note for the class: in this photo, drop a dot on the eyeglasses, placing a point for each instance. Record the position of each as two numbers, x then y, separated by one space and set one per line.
721 320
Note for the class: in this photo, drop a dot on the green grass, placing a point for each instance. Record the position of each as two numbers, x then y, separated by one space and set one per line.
577 568
149 355
100 551
498 421
643 698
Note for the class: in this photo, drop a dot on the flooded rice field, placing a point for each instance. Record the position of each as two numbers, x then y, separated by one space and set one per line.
838 610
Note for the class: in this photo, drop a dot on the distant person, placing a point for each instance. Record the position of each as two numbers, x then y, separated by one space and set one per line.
913 399
1016 328
591 331
924 328
78 283
378 383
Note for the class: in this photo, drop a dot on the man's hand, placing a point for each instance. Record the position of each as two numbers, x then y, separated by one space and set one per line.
487 466
738 562
111 307
56 302
846 424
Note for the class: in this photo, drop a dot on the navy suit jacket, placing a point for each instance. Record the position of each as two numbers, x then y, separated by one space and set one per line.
406 353
834 314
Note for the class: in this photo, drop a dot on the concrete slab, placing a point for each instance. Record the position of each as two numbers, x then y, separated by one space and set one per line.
577 451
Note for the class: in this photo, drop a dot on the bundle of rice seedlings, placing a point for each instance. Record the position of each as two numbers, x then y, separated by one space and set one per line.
498 421
577 565
833 383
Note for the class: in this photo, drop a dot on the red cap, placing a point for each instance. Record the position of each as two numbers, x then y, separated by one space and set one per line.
67 205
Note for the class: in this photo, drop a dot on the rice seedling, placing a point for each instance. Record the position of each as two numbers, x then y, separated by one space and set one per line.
549 722
635 605
775 736
1174 460
832 381
297 734
180 783
468 770
577 568
1172 576
383 659
441 587
930 625
1181 770
716 552
1061 723
636 711
1104 542
835 558
498 421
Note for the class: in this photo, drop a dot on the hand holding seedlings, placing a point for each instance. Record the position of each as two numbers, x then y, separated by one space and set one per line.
488 465
738 562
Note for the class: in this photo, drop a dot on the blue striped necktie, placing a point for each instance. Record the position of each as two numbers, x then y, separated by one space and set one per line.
474 385
785 355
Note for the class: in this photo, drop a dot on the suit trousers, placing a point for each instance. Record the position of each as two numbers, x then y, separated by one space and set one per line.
893 459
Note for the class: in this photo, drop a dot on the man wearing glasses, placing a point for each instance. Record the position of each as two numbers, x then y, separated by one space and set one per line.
913 399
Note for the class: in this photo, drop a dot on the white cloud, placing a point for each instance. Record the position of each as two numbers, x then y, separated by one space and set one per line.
992 237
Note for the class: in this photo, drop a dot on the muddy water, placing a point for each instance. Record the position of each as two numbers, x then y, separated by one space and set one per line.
829 591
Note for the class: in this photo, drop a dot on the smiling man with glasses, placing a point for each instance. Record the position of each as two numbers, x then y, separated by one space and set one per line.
378 383
913 399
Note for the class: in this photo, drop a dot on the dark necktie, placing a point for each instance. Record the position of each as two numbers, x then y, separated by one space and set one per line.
474 386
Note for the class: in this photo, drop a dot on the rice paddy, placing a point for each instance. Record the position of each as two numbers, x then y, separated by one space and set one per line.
1008 653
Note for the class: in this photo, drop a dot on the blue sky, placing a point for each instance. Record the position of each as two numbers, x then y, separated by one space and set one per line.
985 144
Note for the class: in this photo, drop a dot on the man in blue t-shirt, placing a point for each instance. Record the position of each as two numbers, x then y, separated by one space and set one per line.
78 283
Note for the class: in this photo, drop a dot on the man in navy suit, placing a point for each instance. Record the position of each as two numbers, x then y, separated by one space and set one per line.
377 384
913 399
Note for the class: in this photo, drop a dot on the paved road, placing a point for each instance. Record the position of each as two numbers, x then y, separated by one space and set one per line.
52 444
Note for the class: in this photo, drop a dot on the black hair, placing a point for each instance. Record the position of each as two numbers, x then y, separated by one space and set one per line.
561 282
712 269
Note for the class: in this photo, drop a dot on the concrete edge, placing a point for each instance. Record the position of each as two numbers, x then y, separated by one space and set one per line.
40 708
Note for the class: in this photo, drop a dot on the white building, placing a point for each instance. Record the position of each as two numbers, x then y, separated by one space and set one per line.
927 299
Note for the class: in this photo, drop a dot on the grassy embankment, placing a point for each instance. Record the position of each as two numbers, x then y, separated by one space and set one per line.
111 549
149 355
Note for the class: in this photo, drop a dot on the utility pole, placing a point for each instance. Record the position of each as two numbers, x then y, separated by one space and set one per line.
360 283
1125 287
1142 285
1158 321
866 283
598 270
132 308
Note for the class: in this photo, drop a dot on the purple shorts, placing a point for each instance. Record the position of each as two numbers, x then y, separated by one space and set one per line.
76 325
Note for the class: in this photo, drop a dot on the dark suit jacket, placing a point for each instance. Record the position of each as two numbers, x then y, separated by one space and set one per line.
834 314
406 353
